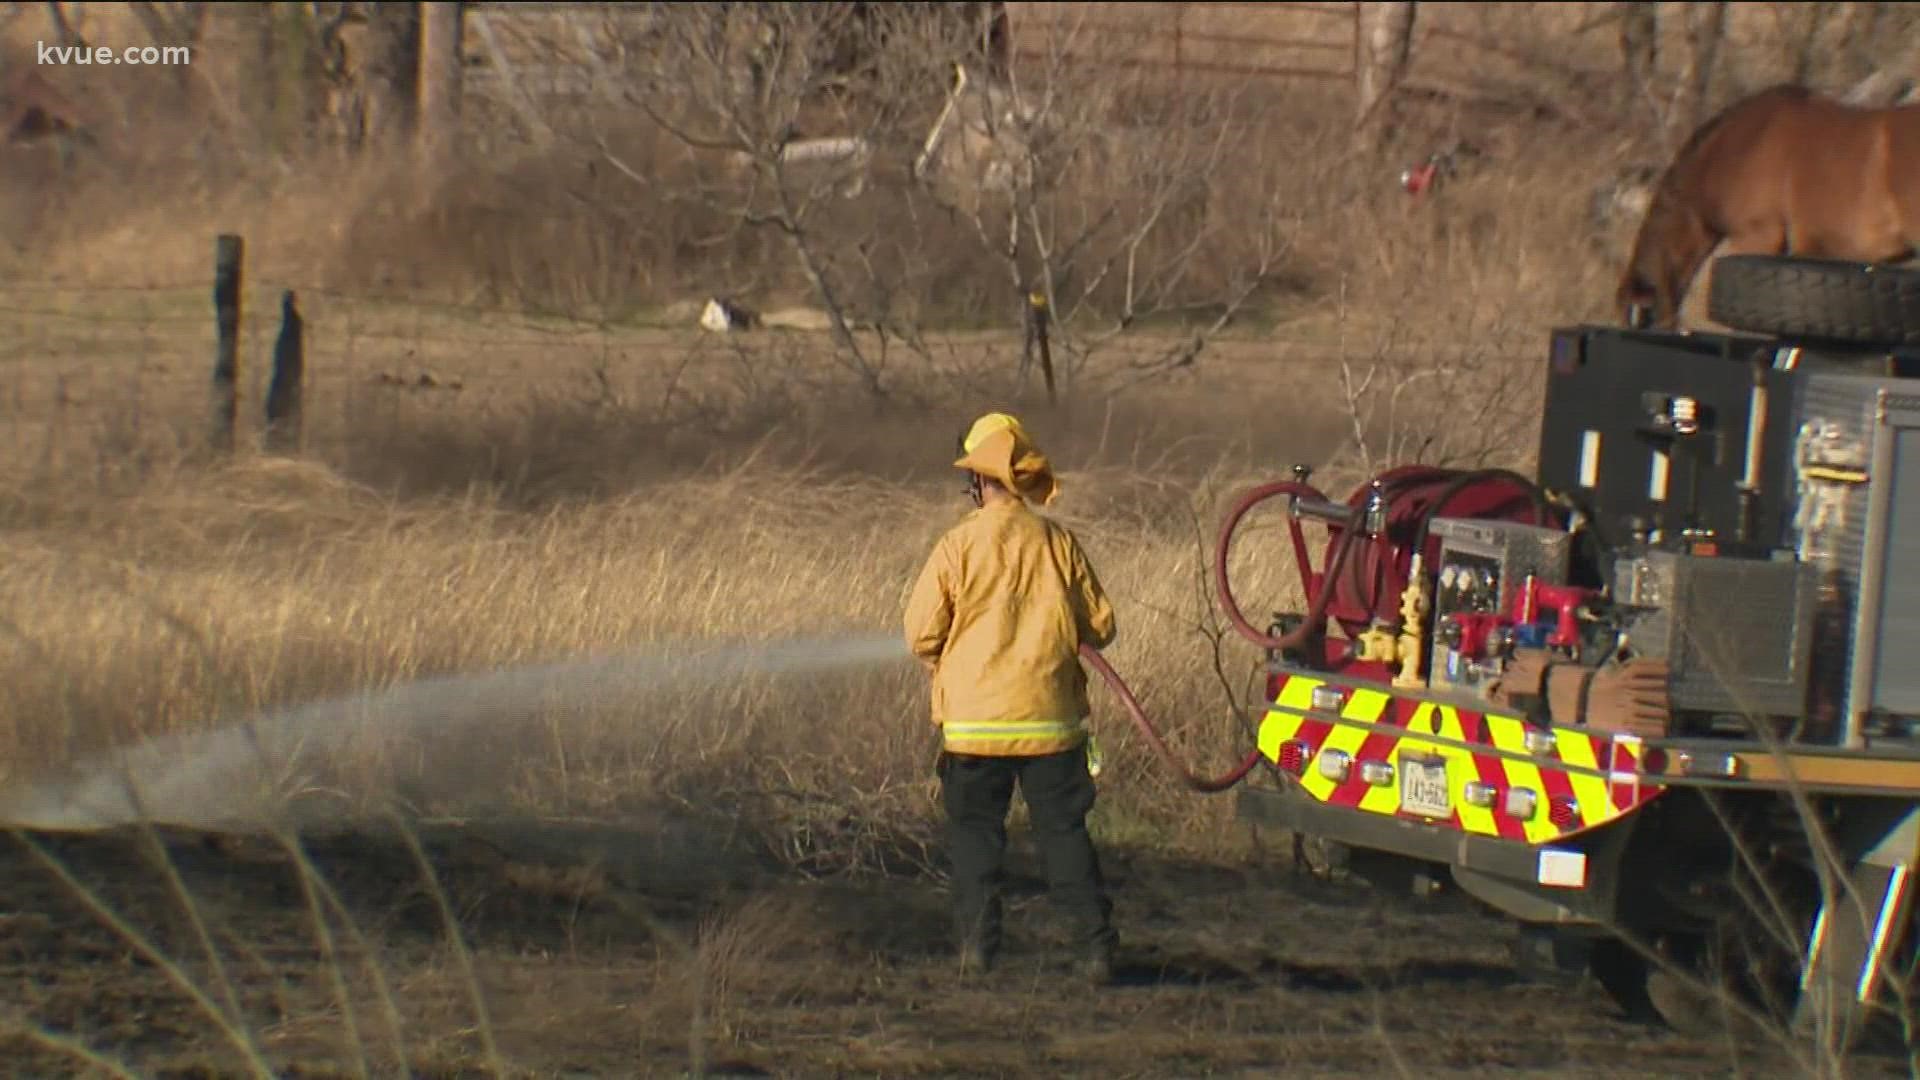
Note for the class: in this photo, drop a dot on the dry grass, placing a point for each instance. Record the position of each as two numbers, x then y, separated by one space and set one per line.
615 973
204 598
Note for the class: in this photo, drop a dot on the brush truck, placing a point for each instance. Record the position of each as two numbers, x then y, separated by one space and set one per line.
1659 701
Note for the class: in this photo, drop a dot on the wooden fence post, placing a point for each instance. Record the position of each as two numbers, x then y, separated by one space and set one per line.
227 253
284 426
1037 319
438 111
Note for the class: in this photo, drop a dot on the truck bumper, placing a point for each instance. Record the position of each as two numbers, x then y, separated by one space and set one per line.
1548 884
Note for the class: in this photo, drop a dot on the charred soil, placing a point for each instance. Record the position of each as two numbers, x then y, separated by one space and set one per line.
658 949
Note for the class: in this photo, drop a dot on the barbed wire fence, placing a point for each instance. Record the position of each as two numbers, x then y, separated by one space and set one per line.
108 379
113 381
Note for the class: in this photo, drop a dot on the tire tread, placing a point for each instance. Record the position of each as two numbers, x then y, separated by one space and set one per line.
1816 299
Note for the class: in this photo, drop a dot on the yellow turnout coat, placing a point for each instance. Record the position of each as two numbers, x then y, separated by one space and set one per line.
998 615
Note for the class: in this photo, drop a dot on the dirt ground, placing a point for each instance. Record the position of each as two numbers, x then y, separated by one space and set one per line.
665 950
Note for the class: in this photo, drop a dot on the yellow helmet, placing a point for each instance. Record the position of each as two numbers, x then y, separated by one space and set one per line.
1015 464
987 425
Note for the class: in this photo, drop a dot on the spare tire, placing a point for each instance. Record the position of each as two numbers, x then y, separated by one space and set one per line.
1816 299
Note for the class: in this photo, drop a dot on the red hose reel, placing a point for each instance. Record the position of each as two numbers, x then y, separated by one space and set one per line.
1368 558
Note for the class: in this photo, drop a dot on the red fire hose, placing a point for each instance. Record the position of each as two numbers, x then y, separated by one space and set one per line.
1292 639
1201 784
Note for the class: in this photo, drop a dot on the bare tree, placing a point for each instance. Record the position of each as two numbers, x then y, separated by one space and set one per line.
184 24
1446 395
1382 53
1640 53
744 86
1119 198
1863 38
1804 39
392 70
1706 30
871 148
370 61
439 78
63 30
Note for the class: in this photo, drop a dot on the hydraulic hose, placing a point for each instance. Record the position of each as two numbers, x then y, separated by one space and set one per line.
1203 785
1317 606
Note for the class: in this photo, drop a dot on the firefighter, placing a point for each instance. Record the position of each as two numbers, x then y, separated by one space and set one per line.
997 615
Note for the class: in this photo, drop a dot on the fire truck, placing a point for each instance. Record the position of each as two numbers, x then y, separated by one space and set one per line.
1659 701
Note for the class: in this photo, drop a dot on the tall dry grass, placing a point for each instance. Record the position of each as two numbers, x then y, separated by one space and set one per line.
207 598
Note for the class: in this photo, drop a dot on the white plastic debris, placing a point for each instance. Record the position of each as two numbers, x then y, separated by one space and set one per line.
721 316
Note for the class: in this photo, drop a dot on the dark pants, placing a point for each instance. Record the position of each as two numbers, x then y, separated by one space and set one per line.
1058 791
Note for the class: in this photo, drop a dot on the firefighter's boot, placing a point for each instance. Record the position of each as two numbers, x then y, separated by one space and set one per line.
1097 965
975 961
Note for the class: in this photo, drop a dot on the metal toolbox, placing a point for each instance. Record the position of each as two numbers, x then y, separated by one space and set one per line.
1736 633
1725 475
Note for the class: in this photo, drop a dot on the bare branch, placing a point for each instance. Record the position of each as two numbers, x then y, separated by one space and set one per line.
63 29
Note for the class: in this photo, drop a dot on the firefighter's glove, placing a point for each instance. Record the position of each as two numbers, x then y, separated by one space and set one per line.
1629 697
1518 685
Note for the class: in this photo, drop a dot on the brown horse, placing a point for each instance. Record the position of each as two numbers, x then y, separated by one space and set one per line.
1781 172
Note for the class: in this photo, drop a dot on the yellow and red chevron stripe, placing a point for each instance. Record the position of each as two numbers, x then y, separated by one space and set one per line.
1580 780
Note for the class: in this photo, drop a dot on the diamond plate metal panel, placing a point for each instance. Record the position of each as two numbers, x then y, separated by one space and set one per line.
1736 633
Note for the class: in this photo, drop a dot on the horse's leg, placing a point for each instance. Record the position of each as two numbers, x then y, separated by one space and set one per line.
1683 270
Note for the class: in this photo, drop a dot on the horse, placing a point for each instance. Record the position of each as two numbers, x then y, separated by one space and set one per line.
1780 172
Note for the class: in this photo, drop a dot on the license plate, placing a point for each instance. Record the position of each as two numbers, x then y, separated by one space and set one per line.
1423 787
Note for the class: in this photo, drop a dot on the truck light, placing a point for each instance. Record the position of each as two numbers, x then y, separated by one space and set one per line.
1540 741
1561 869
1377 773
1521 803
1482 795
1722 766
1293 756
1335 764
1328 698
1563 812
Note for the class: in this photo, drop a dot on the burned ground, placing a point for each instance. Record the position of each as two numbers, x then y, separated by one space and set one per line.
664 950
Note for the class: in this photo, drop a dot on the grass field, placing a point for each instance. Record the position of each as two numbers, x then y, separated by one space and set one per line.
740 873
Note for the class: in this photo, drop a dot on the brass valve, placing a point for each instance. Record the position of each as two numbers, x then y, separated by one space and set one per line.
1413 617
1376 643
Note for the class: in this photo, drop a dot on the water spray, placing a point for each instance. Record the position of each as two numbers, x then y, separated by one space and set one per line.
235 774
